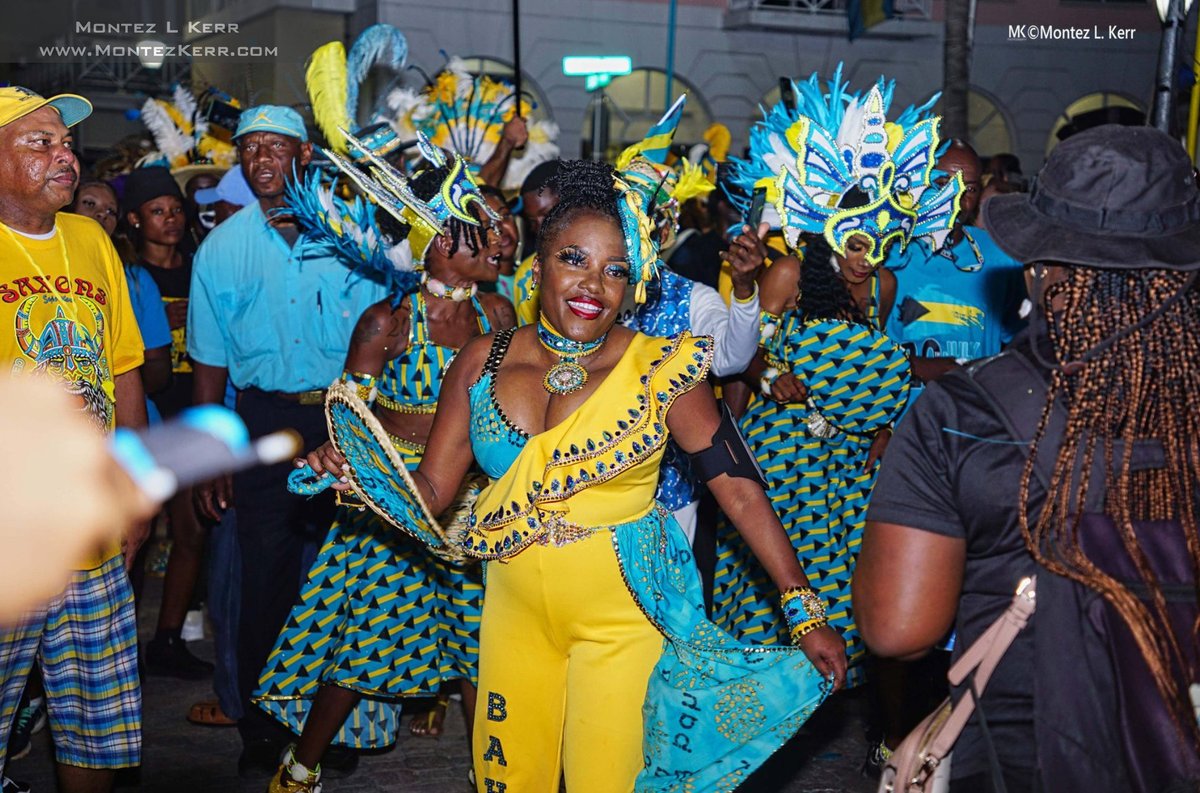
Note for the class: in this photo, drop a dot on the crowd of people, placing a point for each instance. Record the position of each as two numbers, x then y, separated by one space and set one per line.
709 439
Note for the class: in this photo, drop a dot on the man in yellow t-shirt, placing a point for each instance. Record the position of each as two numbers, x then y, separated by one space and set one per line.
65 314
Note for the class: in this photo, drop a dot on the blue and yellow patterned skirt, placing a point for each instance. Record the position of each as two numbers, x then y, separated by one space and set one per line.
379 615
820 488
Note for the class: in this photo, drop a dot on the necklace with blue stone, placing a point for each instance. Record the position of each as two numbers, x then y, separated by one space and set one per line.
567 375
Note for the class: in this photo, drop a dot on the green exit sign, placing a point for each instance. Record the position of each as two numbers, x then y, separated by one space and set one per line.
588 65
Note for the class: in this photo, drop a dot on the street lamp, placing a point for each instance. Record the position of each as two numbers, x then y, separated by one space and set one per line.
1173 14
598 71
151 53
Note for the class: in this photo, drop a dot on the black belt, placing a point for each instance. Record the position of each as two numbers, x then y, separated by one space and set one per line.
313 397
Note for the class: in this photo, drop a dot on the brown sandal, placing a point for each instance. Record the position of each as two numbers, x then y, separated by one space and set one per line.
209 714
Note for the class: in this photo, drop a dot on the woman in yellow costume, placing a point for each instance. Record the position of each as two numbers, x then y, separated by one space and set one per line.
596 660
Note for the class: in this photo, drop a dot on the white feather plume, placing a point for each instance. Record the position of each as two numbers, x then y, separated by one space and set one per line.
173 142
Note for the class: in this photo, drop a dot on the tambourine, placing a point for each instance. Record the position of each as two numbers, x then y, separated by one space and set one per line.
379 477
857 378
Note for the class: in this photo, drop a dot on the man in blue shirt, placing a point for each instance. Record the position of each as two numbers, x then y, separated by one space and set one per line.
273 314
960 301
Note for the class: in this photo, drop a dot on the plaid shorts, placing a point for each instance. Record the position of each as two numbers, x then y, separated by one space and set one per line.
87 638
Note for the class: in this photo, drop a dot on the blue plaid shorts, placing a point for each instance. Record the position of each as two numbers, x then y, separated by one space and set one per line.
87 638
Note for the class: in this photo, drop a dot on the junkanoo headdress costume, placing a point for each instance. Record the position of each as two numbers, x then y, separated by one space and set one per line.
348 226
183 134
644 165
466 115
333 78
835 166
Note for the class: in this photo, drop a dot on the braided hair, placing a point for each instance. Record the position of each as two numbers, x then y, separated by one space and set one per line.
425 185
1128 347
582 186
823 291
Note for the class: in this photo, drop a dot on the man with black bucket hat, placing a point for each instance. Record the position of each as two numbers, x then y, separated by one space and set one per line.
983 486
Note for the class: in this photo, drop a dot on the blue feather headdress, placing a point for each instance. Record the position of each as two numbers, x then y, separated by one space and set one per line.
348 228
333 79
837 167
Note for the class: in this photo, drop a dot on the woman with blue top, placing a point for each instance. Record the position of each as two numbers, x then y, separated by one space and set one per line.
380 617
597 663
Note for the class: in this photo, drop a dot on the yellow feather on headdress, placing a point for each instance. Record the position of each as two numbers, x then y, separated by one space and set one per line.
327 82
221 154
718 138
693 182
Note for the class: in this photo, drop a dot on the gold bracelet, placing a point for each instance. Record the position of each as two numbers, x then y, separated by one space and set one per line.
798 632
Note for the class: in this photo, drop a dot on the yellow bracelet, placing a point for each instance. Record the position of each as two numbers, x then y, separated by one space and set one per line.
753 294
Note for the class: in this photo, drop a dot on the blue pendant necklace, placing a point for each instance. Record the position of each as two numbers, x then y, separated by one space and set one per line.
567 375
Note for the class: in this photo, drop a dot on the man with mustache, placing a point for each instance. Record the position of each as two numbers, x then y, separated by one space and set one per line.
65 315
272 314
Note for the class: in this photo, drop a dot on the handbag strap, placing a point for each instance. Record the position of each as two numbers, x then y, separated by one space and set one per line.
980 660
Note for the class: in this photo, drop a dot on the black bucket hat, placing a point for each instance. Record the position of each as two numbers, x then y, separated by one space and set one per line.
1112 196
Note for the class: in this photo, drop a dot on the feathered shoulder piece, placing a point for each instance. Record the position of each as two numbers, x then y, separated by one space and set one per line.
836 166
466 114
348 229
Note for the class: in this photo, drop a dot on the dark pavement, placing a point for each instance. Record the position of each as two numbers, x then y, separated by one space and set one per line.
178 756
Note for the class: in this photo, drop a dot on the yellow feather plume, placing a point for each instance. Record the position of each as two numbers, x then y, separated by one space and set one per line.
718 139
692 183
327 83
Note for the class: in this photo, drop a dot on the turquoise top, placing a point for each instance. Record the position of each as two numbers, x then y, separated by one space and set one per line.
277 316
414 379
495 441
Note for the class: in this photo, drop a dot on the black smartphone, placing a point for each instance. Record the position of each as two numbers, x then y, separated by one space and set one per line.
754 216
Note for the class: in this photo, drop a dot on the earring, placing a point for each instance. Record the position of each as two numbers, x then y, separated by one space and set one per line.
137 225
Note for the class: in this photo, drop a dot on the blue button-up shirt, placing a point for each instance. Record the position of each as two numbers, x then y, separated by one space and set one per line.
279 318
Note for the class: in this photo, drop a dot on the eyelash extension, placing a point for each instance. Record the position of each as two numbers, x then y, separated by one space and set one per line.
571 256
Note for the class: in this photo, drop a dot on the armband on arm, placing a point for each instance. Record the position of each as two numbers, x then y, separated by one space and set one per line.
364 386
728 454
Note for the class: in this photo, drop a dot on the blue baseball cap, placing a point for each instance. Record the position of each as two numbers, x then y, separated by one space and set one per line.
232 188
271 118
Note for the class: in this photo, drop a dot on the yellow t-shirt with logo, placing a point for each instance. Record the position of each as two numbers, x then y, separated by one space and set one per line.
68 317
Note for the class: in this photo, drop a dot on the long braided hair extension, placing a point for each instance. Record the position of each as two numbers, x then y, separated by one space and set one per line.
582 186
823 291
1145 385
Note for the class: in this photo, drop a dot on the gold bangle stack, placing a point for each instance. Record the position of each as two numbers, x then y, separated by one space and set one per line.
804 611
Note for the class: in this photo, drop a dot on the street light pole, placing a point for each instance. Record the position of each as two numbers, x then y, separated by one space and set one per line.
1173 17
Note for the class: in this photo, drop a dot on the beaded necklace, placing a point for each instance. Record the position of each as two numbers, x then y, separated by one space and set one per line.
567 375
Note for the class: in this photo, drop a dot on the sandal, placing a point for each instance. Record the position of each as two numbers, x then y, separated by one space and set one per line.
209 714
430 723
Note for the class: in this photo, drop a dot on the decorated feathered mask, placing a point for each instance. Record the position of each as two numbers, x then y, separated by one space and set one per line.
835 166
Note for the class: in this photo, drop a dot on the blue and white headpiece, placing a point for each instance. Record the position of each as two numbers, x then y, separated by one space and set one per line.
349 227
835 166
